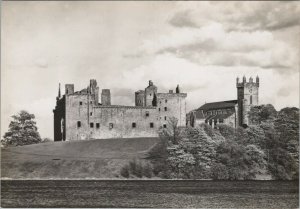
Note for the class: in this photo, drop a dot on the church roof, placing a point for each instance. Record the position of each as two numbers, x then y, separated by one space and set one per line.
218 105
199 115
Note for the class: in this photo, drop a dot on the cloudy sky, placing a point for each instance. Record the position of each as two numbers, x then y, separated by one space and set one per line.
202 46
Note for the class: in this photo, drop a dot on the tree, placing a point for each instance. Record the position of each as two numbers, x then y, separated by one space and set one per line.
22 130
171 132
262 113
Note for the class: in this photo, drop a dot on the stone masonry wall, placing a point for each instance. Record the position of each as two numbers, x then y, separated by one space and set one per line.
80 108
77 109
176 107
117 122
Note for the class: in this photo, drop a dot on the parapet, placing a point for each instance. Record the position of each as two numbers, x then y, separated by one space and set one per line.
161 95
124 107
244 82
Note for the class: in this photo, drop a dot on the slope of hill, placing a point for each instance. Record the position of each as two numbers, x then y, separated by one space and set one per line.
79 159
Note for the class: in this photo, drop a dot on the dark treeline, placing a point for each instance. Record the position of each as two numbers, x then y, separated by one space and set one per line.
267 148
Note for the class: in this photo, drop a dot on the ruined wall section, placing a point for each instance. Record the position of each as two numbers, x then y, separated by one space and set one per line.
140 98
171 105
117 122
59 120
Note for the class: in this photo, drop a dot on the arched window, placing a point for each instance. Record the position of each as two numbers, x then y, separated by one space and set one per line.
251 99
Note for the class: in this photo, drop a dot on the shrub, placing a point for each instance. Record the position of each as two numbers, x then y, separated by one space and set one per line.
125 171
219 171
147 170
138 170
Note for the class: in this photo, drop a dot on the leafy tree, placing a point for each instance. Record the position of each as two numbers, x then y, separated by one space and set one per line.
22 130
226 131
279 133
219 171
171 132
256 136
262 113
285 153
267 146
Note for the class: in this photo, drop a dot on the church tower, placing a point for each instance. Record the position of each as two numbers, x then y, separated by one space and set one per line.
247 96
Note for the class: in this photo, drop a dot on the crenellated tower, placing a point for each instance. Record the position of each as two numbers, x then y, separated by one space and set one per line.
247 96
150 91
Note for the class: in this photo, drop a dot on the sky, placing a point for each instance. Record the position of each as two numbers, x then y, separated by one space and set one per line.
202 46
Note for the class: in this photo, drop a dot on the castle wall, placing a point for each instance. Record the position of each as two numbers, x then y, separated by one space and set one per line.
122 119
176 107
80 108
77 110
83 118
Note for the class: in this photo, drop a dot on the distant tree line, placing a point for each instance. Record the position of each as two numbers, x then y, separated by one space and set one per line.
267 147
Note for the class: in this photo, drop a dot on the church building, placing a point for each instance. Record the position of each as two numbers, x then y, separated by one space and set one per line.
233 112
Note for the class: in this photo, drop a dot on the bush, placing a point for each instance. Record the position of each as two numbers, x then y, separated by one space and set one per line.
125 171
147 171
137 169
219 172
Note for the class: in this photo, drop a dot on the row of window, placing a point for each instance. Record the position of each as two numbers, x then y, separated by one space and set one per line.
166 109
134 125
147 114
80 103
164 117
217 112
111 125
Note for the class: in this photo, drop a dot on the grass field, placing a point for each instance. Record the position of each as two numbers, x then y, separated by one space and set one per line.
79 159
149 194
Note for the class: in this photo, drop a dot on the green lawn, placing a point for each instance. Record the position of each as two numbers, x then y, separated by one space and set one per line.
101 158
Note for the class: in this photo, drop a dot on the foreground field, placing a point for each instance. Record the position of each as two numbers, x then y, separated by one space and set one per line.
145 193
79 159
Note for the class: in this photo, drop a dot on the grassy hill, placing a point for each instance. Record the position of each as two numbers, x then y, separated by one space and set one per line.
78 159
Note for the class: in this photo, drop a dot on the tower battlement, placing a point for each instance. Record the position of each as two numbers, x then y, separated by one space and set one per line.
245 83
